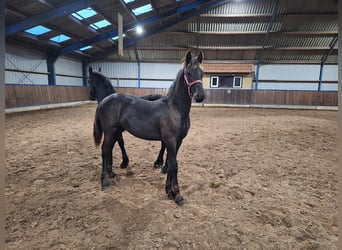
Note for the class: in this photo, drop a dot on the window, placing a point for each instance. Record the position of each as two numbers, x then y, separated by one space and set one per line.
86 48
214 80
60 38
38 30
237 82
84 14
100 24
142 10
226 81
117 37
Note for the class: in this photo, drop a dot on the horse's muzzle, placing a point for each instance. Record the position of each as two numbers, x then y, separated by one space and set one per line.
199 97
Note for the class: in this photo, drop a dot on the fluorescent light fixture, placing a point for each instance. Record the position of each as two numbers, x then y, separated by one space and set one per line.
100 24
86 48
142 10
60 38
84 14
38 30
128 1
139 30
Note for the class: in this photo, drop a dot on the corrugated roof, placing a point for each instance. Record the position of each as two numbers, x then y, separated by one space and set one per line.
248 30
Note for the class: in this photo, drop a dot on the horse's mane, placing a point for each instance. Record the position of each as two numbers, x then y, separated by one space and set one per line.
104 79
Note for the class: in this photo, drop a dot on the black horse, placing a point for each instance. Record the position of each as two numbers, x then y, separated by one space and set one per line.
101 87
165 119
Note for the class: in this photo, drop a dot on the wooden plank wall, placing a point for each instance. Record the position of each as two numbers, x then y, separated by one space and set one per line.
248 96
31 95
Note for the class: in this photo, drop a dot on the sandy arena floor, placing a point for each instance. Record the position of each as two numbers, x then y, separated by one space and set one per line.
252 179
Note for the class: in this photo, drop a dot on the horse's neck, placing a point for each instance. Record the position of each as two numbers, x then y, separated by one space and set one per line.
179 96
104 92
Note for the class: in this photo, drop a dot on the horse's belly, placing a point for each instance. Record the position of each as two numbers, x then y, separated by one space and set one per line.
141 126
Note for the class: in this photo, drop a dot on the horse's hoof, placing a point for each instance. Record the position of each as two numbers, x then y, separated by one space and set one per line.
158 164
179 200
105 185
111 175
164 170
124 164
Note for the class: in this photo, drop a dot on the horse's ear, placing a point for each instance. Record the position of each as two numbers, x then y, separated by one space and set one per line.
188 57
200 57
90 69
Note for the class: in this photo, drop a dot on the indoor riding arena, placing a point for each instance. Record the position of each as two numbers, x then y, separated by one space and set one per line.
253 165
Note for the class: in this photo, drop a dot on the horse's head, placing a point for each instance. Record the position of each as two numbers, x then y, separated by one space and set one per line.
193 75
99 85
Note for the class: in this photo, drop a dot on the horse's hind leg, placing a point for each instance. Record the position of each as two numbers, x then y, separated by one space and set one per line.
159 162
107 159
125 160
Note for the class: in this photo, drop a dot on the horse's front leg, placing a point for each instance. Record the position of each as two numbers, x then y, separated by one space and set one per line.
107 160
159 162
172 187
125 160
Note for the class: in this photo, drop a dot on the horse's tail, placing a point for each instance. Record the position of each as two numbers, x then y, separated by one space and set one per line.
97 132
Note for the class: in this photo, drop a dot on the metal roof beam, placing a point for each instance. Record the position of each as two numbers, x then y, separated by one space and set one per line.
324 59
47 16
204 6
332 46
269 28
114 32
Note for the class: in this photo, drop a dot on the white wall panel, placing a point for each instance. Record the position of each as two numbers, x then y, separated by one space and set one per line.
25 78
159 70
293 72
330 73
69 81
164 73
68 67
22 59
125 83
288 86
117 70
329 87
153 84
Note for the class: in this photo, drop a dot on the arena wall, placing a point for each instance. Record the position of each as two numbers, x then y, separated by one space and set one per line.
26 79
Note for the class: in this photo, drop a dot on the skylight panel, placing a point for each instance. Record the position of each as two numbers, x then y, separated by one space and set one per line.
60 38
142 10
100 24
38 30
84 14
117 37
86 48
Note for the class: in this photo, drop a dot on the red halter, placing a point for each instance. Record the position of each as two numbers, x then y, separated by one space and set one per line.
190 84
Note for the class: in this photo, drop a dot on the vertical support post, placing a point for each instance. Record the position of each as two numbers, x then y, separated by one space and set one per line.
51 69
320 77
120 34
138 73
2 123
257 76
84 73
138 61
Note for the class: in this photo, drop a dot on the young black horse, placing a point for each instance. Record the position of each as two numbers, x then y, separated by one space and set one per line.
166 119
101 87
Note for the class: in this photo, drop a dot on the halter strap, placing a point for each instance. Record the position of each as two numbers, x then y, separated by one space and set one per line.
190 84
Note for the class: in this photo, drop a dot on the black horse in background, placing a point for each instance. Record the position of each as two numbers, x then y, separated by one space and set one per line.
165 119
101 87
